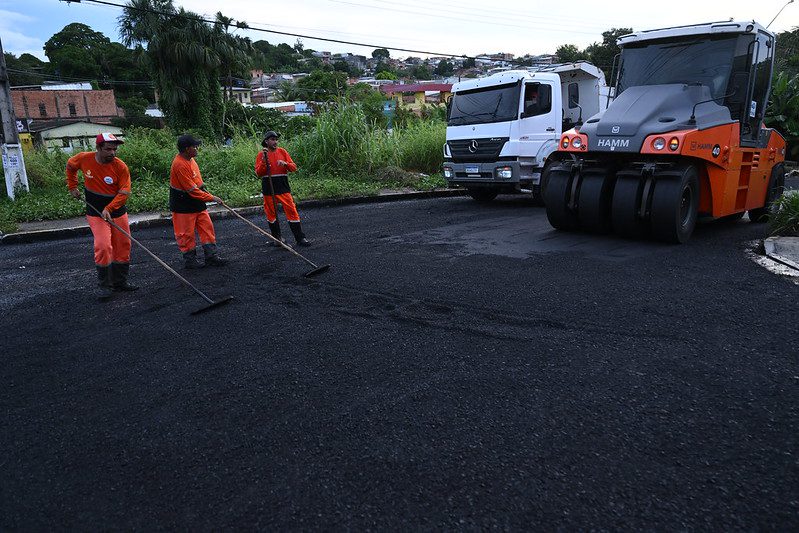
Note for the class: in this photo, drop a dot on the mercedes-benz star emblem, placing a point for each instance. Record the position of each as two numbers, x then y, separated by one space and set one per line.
473 146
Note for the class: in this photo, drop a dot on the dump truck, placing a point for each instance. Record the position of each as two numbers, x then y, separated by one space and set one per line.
683 137
502 128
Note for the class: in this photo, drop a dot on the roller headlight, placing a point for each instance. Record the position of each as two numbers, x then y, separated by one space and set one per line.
564 143
577 143
659 143
674 143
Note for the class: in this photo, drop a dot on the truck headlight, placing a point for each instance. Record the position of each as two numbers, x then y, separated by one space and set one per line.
504 173
448 172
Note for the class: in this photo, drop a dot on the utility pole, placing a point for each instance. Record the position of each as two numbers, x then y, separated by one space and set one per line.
13 163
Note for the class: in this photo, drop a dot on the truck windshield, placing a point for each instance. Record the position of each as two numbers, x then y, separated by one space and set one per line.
484 105
706 60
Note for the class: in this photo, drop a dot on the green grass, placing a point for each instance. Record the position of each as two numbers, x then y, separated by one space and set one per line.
339 156
785 220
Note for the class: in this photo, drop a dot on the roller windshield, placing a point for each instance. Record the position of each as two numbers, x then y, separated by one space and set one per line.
481 106
706 61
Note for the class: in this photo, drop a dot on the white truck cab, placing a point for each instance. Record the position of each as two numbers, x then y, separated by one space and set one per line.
502 128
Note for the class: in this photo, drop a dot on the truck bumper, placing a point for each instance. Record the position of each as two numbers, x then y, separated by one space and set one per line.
492 174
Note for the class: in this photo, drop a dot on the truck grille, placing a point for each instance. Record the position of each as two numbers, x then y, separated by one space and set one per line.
474 150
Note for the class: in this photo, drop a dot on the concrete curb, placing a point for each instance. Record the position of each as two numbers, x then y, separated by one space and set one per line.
784 250
148 220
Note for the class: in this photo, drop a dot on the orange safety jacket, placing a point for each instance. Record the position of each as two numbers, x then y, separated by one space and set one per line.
266 168
186 188
107 185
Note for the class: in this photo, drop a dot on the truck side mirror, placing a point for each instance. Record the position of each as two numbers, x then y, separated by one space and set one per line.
574 95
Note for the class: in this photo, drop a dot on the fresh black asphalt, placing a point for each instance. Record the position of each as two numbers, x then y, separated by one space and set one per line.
461 366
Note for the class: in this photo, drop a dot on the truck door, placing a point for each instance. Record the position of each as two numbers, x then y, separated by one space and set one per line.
539 119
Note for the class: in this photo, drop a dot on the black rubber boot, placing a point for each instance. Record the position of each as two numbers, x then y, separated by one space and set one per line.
103 276
119 277
103 282
211 257
274 228
299 236
190 260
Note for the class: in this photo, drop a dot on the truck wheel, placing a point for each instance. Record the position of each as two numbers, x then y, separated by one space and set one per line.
776 186
483 194
675 205
593 204
557 193
625 206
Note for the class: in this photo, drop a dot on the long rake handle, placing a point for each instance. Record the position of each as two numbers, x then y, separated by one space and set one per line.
281 243
163 264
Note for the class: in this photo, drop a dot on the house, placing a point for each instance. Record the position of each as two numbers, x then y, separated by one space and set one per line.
291 109
419 91
58 103
69 135
242 94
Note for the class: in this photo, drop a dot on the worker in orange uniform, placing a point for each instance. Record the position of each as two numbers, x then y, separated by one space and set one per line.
106 181
187 197
273 165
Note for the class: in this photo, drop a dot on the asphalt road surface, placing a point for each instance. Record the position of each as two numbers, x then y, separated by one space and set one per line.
460 366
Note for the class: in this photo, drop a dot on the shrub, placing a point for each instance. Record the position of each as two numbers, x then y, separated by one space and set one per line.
785 218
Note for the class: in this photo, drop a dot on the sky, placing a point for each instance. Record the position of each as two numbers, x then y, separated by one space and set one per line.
441 27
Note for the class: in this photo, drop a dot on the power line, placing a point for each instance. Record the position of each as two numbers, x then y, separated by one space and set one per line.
290 34
439 16
54 77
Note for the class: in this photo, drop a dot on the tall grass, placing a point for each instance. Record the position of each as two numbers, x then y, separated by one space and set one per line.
338 155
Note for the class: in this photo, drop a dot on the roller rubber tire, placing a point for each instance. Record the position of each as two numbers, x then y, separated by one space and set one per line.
556 198
675 206
624 208
594 202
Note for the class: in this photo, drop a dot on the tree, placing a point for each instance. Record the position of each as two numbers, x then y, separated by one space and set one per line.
386 75
602 54
25 70
321 85
782 112
371 102
282 58
445 68
569 53
384 67
469 62
76 51
184 56
76 35
420 72
233 50
381 54
787 54
351 70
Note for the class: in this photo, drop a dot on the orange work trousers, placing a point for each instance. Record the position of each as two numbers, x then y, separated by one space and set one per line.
110 244
185 225
287 201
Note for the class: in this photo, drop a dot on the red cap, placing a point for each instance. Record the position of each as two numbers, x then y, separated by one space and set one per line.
107 138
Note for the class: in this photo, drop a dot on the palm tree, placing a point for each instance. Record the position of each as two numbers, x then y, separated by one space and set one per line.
183 54
234 52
